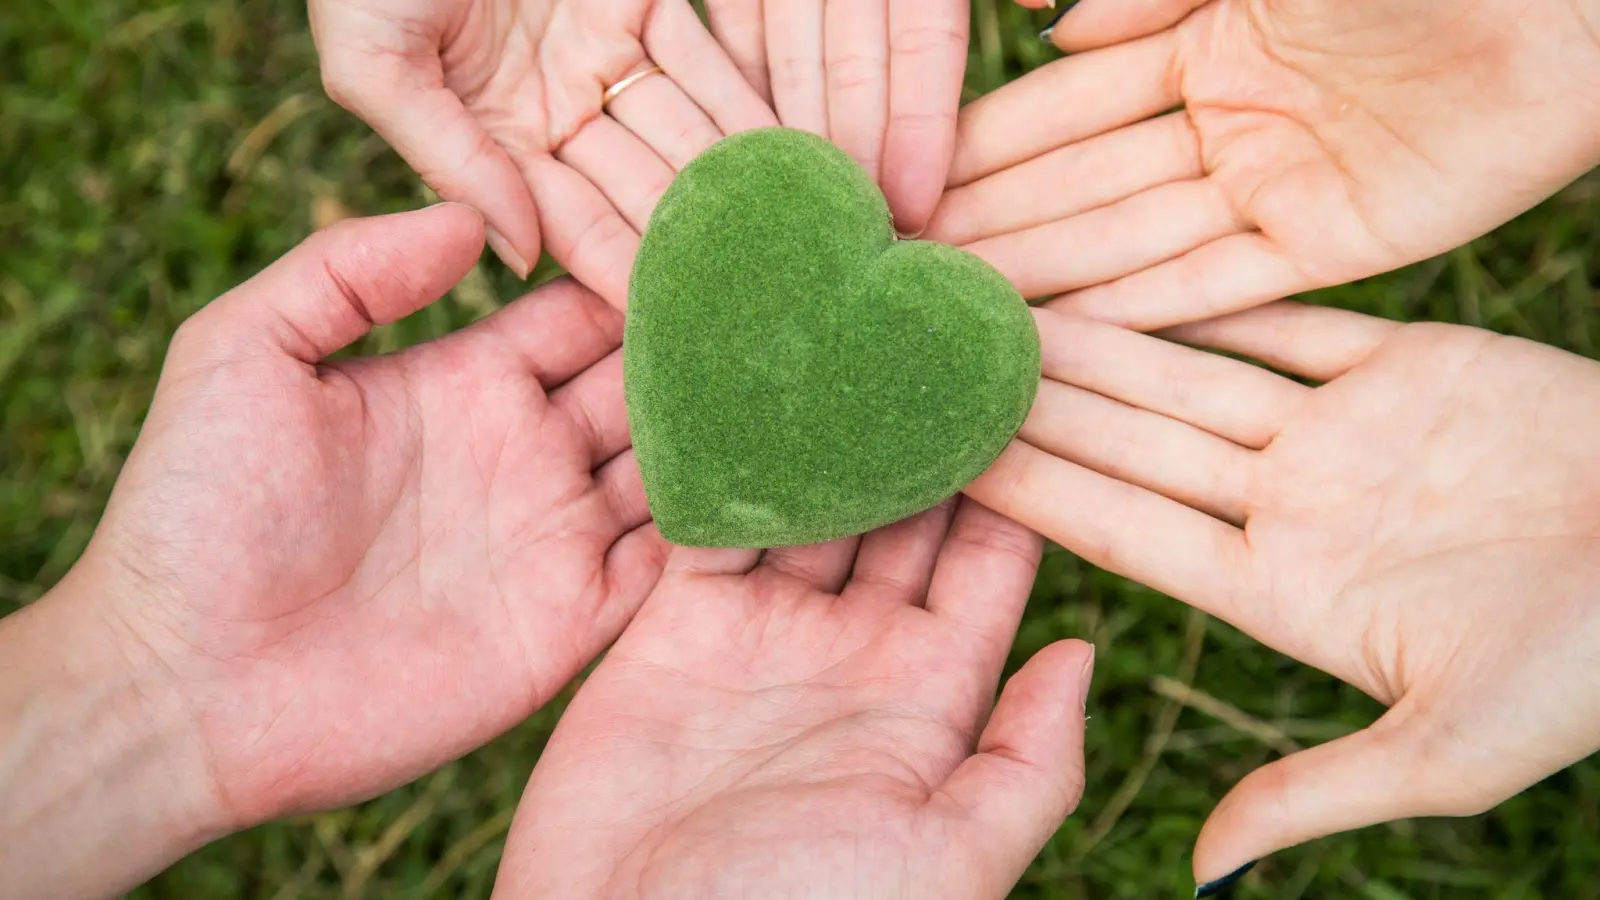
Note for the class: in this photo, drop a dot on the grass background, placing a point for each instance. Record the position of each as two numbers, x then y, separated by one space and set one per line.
153 155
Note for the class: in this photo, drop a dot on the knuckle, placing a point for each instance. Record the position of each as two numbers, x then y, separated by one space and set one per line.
926 39
851 71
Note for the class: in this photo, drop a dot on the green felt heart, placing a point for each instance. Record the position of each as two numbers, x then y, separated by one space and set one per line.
794 373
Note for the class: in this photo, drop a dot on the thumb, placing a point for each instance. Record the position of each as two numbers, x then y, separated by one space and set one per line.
1382 774
1101 23
328 292
432 130
1027 775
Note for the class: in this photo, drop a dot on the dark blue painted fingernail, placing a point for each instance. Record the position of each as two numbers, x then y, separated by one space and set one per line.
1066 6
1221 886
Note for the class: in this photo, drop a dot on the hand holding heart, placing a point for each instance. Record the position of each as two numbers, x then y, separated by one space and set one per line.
317 580
1425 525
498 104
814 723
1318 142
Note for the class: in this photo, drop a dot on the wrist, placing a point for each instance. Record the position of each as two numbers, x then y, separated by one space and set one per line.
103 782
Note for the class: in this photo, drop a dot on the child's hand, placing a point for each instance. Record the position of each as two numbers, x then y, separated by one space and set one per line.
328 577
1425 526
814 726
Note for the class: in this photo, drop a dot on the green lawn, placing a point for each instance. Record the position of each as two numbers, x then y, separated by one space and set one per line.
154 154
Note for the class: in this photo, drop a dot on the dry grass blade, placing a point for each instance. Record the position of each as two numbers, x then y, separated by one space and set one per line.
1233 717
1166 721
370 858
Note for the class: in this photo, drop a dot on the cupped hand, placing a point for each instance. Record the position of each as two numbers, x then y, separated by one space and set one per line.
498 104
880 78
805 726
1319 142
356 570
1425 525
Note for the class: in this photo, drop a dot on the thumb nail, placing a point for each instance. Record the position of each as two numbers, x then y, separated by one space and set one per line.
1087 678
1223 885
1051 27
507 253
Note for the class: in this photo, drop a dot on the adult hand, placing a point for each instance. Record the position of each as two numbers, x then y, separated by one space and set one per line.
880 78
327 577
1319 142
805 726
498 104
1424 526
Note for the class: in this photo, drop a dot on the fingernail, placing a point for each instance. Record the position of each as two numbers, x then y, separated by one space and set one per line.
1086 679
1223 884
1050 28
508 254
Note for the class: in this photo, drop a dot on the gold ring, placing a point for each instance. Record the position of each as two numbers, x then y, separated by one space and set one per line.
616 90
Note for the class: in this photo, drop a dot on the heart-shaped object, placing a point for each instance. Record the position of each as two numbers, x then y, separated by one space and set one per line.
794 373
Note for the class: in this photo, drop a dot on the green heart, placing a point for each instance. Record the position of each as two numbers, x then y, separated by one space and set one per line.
795 374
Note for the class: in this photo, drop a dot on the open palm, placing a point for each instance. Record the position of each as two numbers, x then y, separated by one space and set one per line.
498 104
360 569
1425 526
1318 142
768 730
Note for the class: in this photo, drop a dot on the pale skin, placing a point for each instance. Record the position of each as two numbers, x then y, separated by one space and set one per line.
316 581
1319 142
498 105
812 724
1424 525
880 78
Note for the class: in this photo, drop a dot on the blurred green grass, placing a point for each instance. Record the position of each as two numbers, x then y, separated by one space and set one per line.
152 155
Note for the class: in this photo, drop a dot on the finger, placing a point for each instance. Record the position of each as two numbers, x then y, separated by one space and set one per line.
1152 451
678 42
857 60
633 567
1102 244
1363 779
897 562
1231 399
825 567
1070 180
927 62
795 31
622 487
333 288
1237 272
432 131
558 330
1310 341
1028 773
1065 102
1101 23
630 174
984 573
1124 529
594 403
664 117
690 563
584 232
737 26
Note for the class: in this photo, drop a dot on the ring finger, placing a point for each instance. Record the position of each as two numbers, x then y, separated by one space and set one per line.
663 116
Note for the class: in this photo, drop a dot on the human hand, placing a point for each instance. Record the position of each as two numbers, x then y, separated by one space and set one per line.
880 78
1318 142
770 728
498 104
333 576
1424 526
